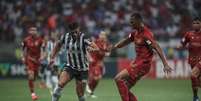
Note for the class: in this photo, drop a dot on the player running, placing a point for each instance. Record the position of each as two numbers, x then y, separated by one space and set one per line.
144 42
51 73
96 66
32 46
76 46
192 42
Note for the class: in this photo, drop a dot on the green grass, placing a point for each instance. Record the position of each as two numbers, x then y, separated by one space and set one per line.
146 90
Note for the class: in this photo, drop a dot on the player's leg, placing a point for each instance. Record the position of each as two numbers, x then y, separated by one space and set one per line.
64 78
48 79
31 78
121 84
42 75
81 82
54 77
32 73
195 81
94 78
80 89
130 83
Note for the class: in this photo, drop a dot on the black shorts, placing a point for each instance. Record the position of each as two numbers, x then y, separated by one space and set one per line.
78 75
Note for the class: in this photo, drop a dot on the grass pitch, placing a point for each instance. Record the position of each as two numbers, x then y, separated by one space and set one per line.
145 90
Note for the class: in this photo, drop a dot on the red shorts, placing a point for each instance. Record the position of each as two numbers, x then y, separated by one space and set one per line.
96 69
140 69
32 66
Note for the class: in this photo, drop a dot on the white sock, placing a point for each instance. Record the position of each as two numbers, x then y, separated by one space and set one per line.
56 94
33 94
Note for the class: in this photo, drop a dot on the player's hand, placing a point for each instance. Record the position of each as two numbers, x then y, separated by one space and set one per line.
167 69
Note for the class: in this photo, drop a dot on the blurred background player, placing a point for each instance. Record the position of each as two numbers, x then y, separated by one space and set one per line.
32 46
96 66
51 73
76 46
144 42
192 42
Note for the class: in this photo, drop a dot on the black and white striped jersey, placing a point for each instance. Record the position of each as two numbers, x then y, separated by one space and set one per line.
76 51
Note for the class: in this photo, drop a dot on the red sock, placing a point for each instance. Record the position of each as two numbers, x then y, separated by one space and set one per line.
123 90
31 86
132 97
195 81
195 84
93 84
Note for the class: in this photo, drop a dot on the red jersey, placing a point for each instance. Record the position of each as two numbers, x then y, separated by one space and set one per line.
33 46
192 41
142 39
99 55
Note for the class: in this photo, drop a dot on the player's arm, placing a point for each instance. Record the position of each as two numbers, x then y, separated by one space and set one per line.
24 51
43 51
184 43
154 45
57 48
122 43
91 46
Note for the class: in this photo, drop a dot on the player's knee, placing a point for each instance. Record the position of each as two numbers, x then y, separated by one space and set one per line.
117 78
97 78
61 84
194 74
31 77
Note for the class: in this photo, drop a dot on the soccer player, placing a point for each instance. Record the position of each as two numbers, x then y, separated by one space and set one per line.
96 66
32 46
192 42
76 46
51 74
144 42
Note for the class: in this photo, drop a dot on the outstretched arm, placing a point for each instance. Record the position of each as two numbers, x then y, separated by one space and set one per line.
184 42
122 43
57 47
56 50
24 49
159 51
91 46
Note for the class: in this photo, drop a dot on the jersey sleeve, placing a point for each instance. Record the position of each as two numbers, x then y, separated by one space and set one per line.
149 38
185 39
131 36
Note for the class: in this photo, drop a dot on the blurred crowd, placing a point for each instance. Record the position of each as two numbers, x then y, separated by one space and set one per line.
167 18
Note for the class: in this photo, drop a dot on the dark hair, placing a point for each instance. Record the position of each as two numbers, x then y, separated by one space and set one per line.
137 16
73 26
196 18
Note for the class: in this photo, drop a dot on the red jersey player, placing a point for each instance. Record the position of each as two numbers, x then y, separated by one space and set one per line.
32 45
144 44
96 66
192 41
